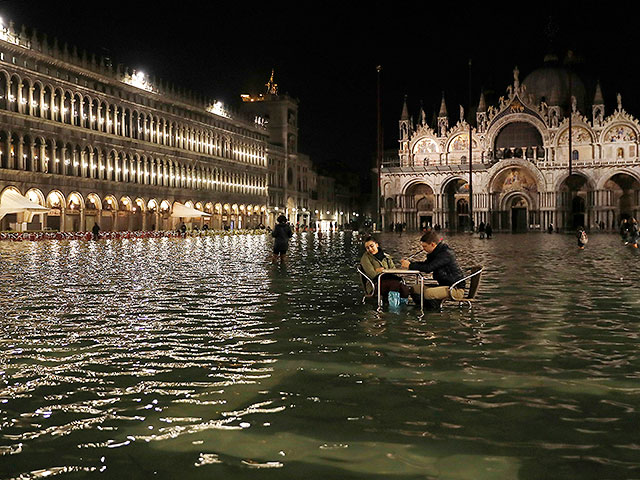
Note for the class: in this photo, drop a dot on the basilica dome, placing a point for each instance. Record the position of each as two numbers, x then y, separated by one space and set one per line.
550 83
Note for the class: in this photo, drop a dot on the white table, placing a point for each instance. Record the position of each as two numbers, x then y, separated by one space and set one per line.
398 271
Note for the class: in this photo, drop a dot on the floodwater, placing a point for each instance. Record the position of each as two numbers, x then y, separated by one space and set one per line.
197 359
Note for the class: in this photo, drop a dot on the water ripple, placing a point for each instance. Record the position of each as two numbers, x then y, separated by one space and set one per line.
198 357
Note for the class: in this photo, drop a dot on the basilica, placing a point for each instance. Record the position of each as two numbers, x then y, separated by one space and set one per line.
547 155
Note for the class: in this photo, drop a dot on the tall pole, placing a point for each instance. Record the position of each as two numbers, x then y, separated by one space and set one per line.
470 158
379 148
570 122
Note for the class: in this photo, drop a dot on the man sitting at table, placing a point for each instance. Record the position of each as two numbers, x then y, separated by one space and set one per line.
441 261
373 262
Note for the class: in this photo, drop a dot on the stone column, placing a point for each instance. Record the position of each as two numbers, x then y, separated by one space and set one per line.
63 218
30 100
51 162
32 157
63 160
43 157
91 165
83 225
19 154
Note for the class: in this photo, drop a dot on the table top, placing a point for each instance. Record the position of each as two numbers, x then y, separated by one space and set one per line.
400 270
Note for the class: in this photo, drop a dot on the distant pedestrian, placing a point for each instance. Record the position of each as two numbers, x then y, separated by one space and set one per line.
582 238
634 233
96 231
550 228
481 229
488 230
281 233
624 230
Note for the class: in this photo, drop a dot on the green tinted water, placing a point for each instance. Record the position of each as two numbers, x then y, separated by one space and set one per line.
197 358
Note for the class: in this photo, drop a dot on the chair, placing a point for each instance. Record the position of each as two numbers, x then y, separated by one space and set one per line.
474 283
366 281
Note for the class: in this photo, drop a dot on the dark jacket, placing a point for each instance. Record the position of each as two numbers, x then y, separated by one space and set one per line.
442 262
282 233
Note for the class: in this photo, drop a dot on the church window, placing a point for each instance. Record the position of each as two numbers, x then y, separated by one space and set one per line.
620 153
575 155
518 135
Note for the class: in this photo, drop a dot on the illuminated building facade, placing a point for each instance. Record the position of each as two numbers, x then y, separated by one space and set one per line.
295 189
520 170
105 145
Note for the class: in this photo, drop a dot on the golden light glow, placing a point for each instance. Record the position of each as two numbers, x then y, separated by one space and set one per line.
138 80
218 108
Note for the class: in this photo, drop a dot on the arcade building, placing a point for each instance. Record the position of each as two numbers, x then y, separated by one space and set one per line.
97 143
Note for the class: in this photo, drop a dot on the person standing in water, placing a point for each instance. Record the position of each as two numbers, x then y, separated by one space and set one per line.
281 233
582 238
96 231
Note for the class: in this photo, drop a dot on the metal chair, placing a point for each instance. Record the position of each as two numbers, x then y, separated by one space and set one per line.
366 281
474 283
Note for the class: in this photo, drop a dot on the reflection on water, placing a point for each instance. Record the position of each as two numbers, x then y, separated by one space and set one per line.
198 358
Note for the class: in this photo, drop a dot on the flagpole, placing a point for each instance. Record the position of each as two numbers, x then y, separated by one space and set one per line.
379 149
568 62
471 223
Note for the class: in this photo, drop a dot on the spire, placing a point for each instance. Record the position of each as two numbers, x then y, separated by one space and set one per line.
423 115
405 110
272 87
597 109
443 107
481 114
482 104
443 120
597 99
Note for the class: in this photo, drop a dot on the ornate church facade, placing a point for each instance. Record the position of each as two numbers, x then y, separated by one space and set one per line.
522 176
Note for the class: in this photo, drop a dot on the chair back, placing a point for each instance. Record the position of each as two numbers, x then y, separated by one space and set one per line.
474 277
366 281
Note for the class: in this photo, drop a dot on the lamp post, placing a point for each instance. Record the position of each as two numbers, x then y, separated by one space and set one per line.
379 150
470 158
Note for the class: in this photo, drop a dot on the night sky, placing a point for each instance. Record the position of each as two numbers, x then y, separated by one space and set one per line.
325 54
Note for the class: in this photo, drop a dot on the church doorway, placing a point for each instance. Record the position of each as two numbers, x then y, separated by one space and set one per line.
426 221
456 202
625 190
515 191
578 210
574 191
519 215
419 203
462 210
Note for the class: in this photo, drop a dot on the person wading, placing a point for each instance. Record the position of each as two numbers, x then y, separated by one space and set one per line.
281 233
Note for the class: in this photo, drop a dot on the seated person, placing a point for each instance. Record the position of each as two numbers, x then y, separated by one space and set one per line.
373 262
441 261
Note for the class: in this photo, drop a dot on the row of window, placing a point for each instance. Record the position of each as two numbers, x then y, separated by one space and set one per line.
48 156
506 153
22 95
